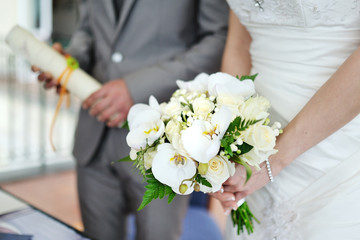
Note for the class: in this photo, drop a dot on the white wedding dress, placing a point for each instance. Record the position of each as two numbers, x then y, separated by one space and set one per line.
296 46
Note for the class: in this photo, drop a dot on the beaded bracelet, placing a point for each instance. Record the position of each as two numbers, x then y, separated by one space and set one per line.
269 170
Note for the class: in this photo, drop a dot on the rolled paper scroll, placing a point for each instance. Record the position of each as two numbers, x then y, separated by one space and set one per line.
62 68
49 60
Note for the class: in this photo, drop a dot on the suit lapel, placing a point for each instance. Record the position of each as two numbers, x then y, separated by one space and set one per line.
109 7
125 11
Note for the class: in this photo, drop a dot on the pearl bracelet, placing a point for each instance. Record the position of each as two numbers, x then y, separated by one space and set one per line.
269 170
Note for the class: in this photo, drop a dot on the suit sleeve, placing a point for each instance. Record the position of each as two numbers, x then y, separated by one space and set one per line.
81 43
203 56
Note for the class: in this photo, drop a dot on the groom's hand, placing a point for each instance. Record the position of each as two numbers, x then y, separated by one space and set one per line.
46 77
111 103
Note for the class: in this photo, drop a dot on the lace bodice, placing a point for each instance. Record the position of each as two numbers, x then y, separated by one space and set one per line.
299 13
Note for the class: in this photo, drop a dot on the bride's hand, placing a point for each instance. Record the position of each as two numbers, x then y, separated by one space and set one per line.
235 188
227 200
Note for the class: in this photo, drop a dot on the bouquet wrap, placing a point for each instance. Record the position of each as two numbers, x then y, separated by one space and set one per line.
49 60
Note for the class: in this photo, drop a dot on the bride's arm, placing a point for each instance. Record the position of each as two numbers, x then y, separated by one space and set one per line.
236 58
336 103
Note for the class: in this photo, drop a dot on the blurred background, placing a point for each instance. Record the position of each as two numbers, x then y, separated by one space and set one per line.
29 168
26 109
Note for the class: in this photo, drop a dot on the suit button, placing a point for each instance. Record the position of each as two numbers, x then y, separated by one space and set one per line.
117 57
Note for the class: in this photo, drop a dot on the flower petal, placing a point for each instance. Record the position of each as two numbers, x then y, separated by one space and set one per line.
200 83
199 146
222 119
223 83
167 171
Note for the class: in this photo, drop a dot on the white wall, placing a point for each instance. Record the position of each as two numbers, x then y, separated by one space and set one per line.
8 15
23 12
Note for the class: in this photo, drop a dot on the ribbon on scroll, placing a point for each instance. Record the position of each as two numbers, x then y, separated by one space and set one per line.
63 68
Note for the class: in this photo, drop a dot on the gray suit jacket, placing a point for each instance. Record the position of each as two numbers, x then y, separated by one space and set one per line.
153 43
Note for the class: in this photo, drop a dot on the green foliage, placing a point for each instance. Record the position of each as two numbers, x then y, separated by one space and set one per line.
242 217
235 128
245 148
125 159
139 161
155 189
125 125
245 77
238 160
183 117
190 106
201 180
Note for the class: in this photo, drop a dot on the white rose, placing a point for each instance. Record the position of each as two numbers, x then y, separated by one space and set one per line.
255 108
231 101
172 127
254 157
261 137
218 172
148 157
202 107
173 108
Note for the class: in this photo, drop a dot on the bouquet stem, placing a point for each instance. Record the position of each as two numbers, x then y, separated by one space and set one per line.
243 217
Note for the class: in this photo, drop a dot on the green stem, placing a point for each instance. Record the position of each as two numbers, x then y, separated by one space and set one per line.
243 217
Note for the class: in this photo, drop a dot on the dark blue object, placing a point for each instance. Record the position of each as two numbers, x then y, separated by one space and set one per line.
198 224
10 236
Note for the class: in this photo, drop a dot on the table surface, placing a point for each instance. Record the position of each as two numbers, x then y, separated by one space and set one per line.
19 217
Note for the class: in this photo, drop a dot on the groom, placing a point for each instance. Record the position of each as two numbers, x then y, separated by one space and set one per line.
135 48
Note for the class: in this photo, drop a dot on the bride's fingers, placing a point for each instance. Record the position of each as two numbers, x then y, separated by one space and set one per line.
224 197
228 206
240 195
232 188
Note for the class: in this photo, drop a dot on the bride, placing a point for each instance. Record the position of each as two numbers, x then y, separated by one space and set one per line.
308 59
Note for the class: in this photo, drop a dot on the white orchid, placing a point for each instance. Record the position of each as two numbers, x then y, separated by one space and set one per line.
202 139
199 84
136 111
223 83
171 168
178 143
145 126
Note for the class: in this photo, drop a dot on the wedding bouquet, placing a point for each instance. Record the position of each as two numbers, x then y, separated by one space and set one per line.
192 142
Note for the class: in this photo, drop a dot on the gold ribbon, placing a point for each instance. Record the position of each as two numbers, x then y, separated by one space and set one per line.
62 80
